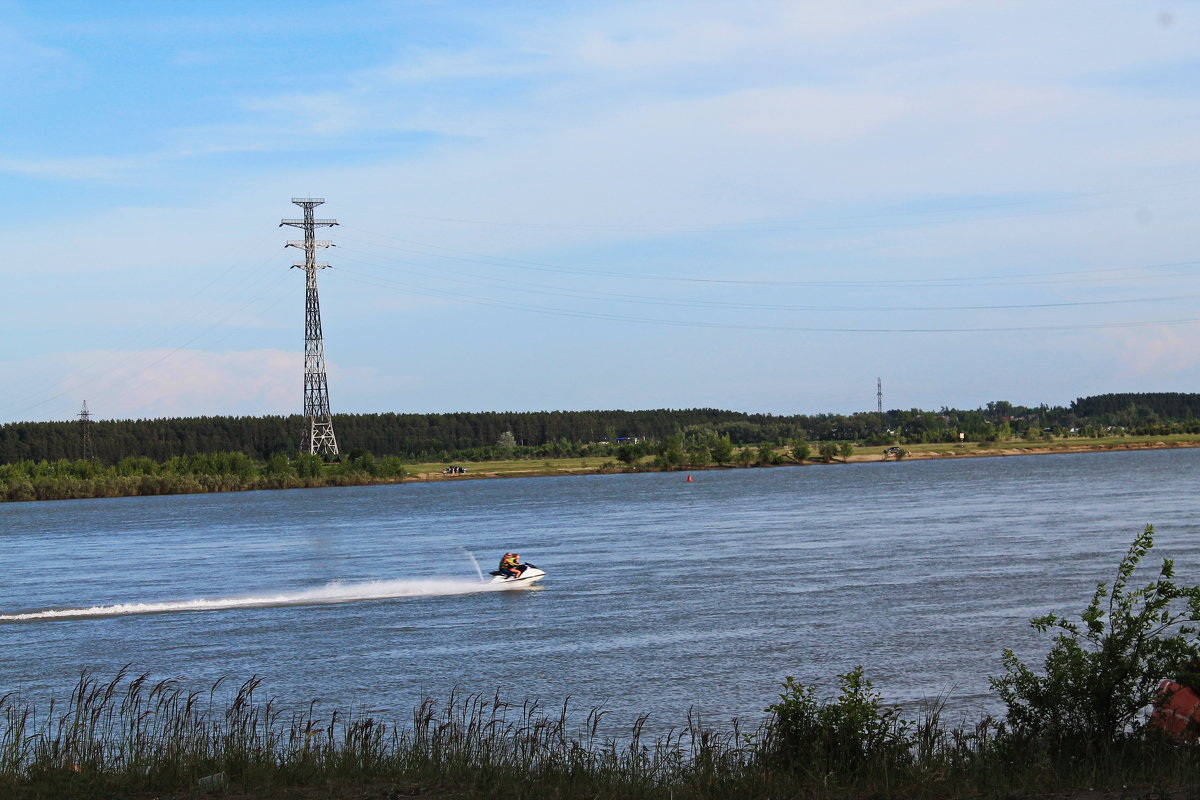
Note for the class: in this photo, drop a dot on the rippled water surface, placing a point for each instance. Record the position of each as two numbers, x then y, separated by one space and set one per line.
661 594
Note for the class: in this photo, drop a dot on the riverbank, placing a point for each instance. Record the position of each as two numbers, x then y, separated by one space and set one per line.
1015 447
235 472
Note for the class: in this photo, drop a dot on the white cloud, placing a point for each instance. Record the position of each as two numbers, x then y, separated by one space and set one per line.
158 383
1157 352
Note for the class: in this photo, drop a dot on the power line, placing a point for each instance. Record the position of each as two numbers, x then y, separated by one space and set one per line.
586 294
462 297
958 281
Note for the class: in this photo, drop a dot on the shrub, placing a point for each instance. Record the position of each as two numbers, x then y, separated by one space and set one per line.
838 736
1101 674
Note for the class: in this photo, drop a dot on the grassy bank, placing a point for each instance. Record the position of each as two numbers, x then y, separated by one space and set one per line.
782 456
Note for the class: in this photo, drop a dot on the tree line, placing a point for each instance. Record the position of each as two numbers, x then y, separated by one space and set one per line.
475 436
135 476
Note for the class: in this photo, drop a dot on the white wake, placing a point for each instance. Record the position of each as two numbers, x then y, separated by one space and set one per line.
330 593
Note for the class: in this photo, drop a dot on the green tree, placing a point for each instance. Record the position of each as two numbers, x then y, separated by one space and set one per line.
828 450
697 455
671 453
801 450
277 465
1101 674
845 450
629 453
307 466
721 449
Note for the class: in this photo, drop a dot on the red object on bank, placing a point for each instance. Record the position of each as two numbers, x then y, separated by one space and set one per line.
1177 710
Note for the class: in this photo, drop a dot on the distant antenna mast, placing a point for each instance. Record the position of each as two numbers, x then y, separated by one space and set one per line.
321 440
85 432
879 400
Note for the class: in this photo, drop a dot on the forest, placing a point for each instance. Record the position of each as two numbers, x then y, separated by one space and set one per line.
478 436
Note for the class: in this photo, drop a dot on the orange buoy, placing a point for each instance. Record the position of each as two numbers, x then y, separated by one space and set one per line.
1176 710
689 480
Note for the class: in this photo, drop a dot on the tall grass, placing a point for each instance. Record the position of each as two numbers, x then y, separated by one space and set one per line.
131 736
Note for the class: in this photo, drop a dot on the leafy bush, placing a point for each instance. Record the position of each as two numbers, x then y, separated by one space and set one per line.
1100 675
838 736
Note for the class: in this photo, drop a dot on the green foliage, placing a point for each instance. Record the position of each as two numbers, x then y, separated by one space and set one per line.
697 455
828 451
1101 674
837 736
670 455
845 450
801 451
721 448
307 466
472 436
201 472
391 467
629 453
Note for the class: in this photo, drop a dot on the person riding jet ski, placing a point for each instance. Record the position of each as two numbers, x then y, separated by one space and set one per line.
510 565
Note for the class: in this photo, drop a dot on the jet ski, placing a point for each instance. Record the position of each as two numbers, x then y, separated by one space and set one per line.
528 575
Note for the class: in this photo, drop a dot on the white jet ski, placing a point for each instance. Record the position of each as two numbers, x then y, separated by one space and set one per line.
527 577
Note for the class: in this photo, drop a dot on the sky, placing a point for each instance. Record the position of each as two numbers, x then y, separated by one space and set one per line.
761 207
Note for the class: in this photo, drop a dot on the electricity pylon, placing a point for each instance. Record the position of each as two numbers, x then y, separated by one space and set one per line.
85 433
321 440
879 402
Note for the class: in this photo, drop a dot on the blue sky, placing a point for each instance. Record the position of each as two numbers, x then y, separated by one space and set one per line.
755 206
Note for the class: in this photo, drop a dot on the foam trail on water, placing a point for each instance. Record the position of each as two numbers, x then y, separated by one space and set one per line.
336 592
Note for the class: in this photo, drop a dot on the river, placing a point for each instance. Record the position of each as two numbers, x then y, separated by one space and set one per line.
661 595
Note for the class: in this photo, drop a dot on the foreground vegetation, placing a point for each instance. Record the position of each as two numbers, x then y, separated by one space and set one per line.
1076 725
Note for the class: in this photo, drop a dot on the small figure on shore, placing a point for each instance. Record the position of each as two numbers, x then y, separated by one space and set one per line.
510 564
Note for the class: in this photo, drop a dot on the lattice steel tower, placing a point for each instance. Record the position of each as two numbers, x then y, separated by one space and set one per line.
879 402
321 440
85 432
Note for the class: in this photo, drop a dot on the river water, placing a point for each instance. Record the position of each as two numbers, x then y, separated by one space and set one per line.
662 595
